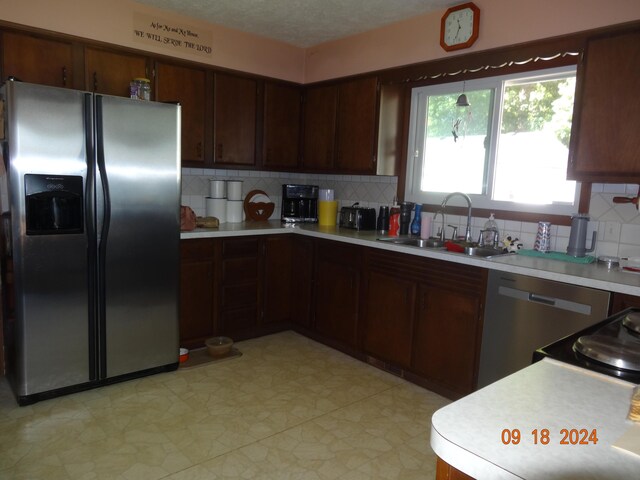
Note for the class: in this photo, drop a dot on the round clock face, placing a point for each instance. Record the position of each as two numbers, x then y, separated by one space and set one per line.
459 27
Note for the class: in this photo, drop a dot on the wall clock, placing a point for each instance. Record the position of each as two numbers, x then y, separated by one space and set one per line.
459 26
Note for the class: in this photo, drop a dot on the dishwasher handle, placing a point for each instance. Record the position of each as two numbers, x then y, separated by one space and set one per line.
534 297
560 303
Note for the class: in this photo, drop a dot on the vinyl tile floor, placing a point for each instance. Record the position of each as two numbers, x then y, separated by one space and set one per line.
288 408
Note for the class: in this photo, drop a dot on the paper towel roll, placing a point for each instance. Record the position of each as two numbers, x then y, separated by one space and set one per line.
216 207
234 189
235 211
217 188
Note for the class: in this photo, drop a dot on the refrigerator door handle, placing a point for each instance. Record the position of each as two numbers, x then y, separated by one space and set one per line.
104 234
90 221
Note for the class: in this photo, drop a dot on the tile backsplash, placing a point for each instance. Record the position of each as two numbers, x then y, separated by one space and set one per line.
618 225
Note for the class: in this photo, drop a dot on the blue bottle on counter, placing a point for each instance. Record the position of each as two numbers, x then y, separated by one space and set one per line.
415 224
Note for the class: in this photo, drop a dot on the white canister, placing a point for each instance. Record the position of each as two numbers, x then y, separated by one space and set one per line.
234 189
216 207
235 211
326 195
217 188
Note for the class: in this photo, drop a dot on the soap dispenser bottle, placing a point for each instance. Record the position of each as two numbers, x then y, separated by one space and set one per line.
491 234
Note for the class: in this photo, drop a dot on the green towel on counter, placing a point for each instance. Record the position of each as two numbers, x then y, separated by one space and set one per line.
563 257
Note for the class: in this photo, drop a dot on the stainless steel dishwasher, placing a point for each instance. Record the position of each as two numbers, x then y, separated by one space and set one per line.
524 313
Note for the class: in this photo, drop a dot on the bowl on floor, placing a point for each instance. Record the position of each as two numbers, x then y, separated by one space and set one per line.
219 346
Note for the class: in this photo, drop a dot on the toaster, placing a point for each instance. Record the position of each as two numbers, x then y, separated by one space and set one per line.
358 218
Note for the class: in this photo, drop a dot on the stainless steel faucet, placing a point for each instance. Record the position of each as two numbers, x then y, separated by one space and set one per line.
442 229
467 235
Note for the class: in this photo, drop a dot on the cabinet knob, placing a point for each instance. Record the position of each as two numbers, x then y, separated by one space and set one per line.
64 76
95 81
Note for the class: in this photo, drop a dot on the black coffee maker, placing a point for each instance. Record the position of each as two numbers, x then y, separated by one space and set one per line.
299 203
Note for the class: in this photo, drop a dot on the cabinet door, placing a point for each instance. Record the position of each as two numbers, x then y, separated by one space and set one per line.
111 73
197 292
186 86
388 323
276 291
446 334
320 109
281 125
604 136
239 288
234 120
302 259
357 103
37 60
337 289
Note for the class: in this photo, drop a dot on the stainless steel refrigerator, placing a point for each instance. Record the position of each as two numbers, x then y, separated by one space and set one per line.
94 208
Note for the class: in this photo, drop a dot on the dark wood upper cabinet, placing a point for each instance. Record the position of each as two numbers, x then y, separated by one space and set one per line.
186 85
111 73
281 134
357 126
605 144
320 109
340 125
234 120
37 60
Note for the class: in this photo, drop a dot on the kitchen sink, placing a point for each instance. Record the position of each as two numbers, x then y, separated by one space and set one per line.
484 252
472 251
412 242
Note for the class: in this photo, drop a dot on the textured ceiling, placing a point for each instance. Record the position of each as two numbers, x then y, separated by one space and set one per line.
303 23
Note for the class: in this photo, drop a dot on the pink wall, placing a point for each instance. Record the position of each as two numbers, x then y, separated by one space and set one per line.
503 22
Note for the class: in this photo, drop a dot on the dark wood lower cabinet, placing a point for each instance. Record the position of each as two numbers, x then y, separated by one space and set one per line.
337 292
197 291
301 289
621 301
416 317
389 314
446 338
239 286
276 291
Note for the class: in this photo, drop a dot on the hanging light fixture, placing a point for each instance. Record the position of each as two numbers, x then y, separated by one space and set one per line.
462 99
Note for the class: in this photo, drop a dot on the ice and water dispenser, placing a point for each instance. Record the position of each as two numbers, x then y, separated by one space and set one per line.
54 204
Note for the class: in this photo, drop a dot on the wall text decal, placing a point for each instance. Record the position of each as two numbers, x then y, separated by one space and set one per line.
153 30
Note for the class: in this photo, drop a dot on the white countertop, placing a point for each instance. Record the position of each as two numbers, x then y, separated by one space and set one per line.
550 395
592 275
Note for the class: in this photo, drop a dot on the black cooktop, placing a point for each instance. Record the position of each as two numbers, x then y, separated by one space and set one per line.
612 327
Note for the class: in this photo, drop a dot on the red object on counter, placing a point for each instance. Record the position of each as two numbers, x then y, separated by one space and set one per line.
394 223
453 247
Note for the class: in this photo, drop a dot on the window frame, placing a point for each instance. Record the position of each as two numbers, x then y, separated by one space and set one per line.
416 134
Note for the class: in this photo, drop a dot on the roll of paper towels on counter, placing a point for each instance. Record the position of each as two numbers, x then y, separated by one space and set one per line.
235 211
234 189
216 207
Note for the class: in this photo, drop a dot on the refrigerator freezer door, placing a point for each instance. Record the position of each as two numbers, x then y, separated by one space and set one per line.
46 135
140 233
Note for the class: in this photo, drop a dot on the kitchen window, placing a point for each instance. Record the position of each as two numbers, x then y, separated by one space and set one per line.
507 150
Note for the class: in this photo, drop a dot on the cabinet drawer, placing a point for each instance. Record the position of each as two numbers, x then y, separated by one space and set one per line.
239 319
197 249
234 296
239 270
238 247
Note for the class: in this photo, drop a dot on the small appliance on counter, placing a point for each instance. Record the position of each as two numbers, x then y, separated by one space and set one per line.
358 218
299 203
